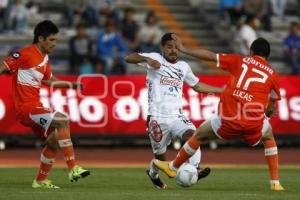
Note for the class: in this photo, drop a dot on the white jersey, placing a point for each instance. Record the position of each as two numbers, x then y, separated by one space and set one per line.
165 85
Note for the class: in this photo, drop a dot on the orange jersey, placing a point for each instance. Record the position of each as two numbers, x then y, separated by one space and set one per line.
28 67
253 82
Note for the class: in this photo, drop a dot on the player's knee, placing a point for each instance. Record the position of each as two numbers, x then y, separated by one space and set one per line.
202 136
64 123
188 134
205 131
268 135
61 120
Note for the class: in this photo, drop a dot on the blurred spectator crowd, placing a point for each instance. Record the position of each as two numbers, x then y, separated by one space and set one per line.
249 15
245 17
118 32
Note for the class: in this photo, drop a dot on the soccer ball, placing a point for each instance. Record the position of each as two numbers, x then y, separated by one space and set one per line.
187 175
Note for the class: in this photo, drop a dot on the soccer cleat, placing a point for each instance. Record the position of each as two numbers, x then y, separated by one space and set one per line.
157 182
202 173
164 166
46 184
276 187
78 172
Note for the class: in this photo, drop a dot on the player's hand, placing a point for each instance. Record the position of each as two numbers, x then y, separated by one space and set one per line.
153 63
77 85
178 42
271 113
271 109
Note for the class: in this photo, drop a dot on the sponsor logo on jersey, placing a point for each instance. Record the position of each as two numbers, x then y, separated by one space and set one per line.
170 81
249 60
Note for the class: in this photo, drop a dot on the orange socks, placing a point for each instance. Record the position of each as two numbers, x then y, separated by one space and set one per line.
47 160
188 149
66 146
48 155
271 154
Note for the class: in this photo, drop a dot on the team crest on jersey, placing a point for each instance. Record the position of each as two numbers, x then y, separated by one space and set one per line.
155 131
16 55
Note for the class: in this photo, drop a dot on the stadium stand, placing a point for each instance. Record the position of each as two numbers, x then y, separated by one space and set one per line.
199 19
280 30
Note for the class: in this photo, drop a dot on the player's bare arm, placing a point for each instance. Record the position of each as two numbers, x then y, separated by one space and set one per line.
135 58
56 83
2 68
202 54
271 109
205 88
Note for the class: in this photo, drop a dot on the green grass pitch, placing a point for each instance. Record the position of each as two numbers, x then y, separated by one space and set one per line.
133 184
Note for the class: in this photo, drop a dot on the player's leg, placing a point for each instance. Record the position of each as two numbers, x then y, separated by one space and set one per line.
39 119
61 123
196 158
152 172
271 154
47 160
159 138
204 132
184 129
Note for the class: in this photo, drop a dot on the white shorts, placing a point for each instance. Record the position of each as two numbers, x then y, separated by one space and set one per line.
162 131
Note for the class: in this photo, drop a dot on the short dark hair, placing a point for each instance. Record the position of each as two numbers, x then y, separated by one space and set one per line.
149 15
165 38
129 9
44 28
261 47
80 25
294 23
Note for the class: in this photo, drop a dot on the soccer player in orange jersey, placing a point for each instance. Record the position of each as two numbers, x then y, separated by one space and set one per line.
30 69
246 104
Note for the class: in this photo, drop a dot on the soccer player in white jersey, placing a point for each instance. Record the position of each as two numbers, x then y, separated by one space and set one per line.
166 122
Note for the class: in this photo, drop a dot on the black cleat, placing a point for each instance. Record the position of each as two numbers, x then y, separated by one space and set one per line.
157 182
202 173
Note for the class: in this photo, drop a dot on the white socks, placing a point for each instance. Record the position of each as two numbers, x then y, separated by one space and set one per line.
153 170
196 158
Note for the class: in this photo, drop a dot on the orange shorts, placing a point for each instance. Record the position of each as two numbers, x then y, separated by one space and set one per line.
226 130
38 118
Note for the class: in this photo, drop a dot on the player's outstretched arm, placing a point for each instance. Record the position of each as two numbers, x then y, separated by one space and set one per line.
56 83
202 54
205 88
136 58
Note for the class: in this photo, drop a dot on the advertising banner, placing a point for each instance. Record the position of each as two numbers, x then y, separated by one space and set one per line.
117 105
